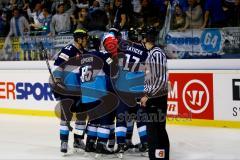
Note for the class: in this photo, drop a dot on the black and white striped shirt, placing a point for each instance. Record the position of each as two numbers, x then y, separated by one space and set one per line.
156 78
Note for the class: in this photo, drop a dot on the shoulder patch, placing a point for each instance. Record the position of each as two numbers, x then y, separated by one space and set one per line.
64 56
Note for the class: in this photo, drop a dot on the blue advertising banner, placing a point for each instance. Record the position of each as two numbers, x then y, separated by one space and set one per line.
207 43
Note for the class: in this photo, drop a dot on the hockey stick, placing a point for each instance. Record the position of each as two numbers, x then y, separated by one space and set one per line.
44 52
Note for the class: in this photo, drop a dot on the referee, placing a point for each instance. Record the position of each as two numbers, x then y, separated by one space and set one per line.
155 97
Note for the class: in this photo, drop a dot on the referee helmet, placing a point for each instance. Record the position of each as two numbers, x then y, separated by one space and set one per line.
150 33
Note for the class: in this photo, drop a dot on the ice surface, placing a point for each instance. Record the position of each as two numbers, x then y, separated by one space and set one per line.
27 137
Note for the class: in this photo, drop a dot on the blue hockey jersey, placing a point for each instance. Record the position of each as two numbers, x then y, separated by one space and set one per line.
132 57
68 72
94 79
84 72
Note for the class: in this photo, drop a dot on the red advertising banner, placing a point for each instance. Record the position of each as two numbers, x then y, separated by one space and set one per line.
191 95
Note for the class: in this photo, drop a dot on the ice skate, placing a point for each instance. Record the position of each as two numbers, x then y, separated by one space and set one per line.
102 151
143 149
90 147
78 145
120 150
64 148
130 147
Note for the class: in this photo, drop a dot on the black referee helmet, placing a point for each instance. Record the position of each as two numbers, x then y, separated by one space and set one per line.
150 33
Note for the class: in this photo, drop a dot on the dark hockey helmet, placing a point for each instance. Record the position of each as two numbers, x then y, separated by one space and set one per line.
94 42
79 33
115 29
133 35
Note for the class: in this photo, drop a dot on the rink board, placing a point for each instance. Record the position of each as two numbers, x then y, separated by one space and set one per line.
200 96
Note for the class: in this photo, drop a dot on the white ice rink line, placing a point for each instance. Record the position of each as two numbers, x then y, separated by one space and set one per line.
26 137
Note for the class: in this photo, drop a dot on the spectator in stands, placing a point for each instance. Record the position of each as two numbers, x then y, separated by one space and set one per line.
150 14
24 10
183 3
56 3
236 14
3 3
3 24
13 4
120 15
214 15
82 4
228 7
16 4
25 6
47 4
10 5
178 20
36 16
128 7
135 18
103 2
6 10
73 21
94 6
54 6
232 10
18 24
46 21
160 8
108 12
80 18
61 20
32 3
19 27
136 6
97 20
146 11
20 3
194 16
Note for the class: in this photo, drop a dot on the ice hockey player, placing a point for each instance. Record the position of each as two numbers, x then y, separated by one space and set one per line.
61 69
135 35
129 83
97 80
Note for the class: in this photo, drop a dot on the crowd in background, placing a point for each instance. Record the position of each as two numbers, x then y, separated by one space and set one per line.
199 14
51 17
57 17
